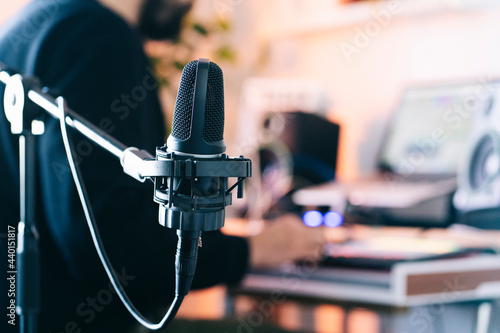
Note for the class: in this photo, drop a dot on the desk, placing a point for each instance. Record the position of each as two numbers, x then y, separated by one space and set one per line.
406 284
452 295
415 297
448 295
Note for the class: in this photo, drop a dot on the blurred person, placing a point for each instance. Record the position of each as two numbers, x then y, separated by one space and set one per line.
91 53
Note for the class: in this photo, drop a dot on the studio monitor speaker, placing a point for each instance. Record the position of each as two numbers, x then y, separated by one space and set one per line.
477 199
300 150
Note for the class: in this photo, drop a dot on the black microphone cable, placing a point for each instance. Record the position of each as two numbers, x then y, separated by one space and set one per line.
187 245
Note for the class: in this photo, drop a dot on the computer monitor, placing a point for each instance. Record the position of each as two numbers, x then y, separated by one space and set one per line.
430 127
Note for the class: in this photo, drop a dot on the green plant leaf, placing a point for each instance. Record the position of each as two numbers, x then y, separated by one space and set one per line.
200 29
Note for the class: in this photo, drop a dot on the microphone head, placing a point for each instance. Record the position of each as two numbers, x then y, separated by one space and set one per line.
198 122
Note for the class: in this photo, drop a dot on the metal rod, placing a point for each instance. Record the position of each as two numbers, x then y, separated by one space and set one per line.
92 132
28 296
82 125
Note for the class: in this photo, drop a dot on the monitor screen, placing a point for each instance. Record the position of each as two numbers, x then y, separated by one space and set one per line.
430 127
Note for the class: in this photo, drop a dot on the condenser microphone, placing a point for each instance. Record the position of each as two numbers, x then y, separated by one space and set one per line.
195 197
194 193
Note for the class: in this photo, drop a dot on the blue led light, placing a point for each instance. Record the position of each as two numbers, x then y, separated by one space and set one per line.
312 218
333 219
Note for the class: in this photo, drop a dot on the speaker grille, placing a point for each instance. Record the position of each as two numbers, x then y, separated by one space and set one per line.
484 162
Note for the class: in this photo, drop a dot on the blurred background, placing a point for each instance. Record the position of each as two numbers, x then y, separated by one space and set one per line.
346 60
361 54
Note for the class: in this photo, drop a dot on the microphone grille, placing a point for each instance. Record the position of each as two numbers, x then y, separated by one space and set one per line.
213 127
181 124
214 108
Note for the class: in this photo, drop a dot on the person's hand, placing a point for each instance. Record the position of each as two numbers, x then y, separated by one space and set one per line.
285 239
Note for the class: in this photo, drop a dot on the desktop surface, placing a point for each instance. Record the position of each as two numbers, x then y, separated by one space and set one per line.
457 262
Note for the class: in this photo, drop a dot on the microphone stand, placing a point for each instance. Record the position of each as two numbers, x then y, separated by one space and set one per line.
23 100
28 259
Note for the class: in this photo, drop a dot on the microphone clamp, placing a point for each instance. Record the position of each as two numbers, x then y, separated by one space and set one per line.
192 191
